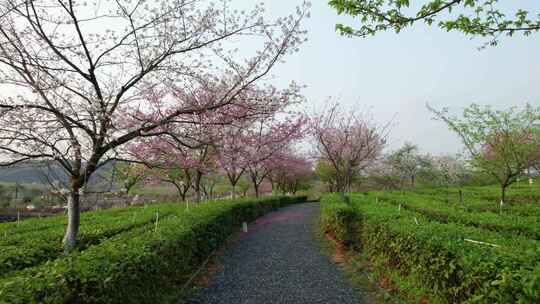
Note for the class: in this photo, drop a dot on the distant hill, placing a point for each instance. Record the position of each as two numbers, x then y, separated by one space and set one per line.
41 173
31 173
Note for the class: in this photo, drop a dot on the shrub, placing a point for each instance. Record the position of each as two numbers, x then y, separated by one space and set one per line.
338 219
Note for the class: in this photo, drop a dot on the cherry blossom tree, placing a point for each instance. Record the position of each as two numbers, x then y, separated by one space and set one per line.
232 155
409 163
174 158
237 144
220 136
163 163
267 138
71 70
290 171
205 165
326 174
348 142
180 177
449 170
383 174
130 175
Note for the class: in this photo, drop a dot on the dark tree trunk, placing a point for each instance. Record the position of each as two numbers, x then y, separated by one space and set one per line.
256 188
183 196
503 194
181 191
254 178
272 184
197 186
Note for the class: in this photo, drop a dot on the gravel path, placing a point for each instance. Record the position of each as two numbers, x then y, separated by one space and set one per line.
278 261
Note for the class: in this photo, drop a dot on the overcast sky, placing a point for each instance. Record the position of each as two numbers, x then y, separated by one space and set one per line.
396 75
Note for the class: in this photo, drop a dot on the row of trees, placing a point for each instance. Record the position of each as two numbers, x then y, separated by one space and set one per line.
287 173
501 146
405 168
233 143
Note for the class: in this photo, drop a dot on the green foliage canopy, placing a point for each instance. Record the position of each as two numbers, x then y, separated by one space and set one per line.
484 18
502 143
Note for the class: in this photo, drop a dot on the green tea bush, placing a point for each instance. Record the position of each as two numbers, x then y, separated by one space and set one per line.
29 249
522 200
440 257
528 226
146 264
338 218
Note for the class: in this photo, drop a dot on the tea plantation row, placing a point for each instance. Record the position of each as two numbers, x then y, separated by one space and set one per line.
439 251
130 255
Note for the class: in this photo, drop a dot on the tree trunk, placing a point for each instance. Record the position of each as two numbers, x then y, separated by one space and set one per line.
183 196
256 188
272 184
74 220
183 192
233 191
197 187
254 177
503 194
197 194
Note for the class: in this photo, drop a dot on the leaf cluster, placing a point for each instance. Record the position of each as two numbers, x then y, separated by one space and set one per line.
484 18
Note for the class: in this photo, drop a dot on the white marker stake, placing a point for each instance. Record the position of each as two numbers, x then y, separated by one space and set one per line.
376 200
399 208
157 221
244 227
416 220
478 242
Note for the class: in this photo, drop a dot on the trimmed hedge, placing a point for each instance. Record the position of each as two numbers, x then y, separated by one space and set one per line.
521 200
142 265
338 219
32 248
435 257
31 225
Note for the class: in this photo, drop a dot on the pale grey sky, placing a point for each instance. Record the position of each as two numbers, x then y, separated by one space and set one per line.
396 75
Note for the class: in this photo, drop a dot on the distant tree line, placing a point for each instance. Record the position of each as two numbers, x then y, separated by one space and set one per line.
501 146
